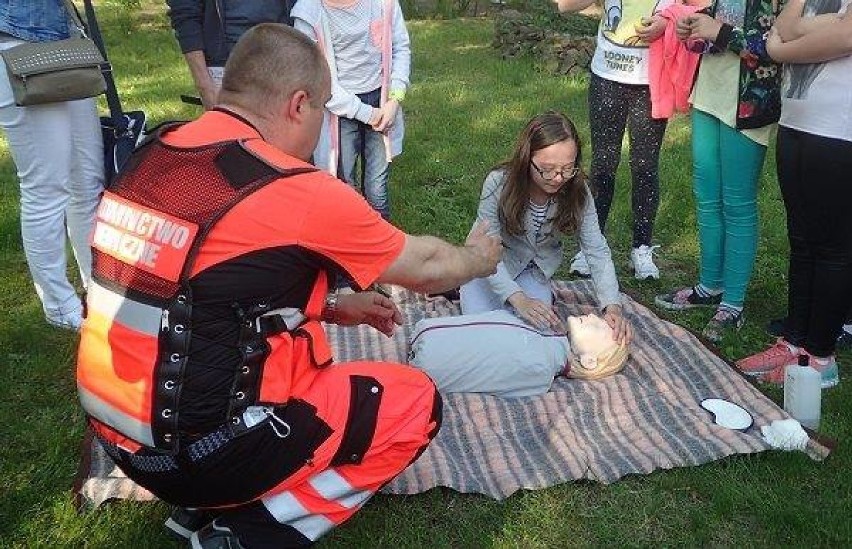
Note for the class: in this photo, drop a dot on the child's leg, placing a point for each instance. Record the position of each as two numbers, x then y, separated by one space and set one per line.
707 186
741 164
533 282
376 172
822 197
351 144
477 296
607 119
801 264
646 137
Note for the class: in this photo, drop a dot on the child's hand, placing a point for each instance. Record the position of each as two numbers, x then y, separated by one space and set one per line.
387 114
652 28
705 27
683 28
377 116
535 312
622 332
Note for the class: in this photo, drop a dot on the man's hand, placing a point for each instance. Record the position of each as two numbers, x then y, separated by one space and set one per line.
387 114
652 28
621 330
369 308
535 312
486 249
703 26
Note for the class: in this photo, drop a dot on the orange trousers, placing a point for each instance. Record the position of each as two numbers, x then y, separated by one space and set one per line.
332 487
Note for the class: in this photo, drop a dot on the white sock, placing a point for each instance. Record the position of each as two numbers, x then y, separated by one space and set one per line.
793 349
847 328
704 291
817 361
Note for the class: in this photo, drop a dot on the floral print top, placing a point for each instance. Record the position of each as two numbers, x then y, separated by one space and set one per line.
760 77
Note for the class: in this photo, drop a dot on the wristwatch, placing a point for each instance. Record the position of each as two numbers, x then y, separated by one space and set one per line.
329 310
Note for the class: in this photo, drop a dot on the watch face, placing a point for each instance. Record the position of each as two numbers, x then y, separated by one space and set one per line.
727 414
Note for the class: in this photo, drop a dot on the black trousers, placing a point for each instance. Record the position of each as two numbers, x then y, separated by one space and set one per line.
612 106
815 174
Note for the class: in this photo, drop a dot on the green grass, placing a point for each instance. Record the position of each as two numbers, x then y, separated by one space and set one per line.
463 112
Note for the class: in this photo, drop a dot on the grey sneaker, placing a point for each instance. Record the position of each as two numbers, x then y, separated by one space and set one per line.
185 522
214 536
579 266
686 298
724 320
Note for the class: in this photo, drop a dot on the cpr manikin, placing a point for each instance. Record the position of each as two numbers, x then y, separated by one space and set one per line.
497 353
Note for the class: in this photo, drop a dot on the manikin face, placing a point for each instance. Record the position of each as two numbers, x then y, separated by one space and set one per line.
559 157
591 337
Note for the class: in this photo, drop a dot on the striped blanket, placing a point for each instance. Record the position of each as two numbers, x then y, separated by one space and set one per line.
646 418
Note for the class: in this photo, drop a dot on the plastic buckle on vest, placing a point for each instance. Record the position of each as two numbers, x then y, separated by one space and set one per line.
279 321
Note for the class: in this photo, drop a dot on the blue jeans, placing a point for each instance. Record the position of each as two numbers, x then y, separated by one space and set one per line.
726 170
360 141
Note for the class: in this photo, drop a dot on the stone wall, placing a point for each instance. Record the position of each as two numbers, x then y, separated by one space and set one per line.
558 52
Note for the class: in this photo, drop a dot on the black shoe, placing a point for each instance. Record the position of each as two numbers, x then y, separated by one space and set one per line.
451 295
185 522
214 536
777 327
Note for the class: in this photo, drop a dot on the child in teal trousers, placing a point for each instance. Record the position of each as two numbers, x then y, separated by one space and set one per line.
736 103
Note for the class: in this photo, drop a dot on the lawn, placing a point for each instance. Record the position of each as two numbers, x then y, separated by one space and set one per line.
463 111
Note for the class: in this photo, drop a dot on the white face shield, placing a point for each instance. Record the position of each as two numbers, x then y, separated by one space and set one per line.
727 414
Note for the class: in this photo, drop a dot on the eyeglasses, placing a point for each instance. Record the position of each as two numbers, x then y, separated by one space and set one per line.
550 174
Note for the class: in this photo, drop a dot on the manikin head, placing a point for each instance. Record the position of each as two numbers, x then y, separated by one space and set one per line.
595 353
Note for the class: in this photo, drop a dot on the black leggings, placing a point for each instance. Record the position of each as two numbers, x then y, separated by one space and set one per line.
612 106
814 173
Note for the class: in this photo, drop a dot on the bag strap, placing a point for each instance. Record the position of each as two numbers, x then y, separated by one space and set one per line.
116 113
75 17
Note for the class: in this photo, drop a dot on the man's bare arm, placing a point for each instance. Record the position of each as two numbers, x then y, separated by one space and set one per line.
428 264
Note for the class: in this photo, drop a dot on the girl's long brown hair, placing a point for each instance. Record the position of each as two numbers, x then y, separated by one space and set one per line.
542 131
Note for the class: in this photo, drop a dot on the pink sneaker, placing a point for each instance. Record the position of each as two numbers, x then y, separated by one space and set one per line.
828 372
775 357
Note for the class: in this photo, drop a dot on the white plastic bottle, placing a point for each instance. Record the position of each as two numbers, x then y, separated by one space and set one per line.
802 393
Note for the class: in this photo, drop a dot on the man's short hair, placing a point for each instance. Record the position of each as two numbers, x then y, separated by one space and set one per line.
268 64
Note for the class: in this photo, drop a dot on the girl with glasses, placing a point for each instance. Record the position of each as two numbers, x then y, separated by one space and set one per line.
532 200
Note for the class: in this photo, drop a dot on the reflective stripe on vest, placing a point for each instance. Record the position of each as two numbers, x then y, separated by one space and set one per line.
114 381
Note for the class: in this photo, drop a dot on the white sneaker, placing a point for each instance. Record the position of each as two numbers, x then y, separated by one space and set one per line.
67 321
642 259
579 266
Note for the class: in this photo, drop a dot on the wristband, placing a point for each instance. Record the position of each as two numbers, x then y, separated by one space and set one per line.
397 95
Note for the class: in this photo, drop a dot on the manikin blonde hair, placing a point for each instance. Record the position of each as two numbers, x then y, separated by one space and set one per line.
605 365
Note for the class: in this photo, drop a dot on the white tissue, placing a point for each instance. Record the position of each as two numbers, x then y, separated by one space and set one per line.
785 434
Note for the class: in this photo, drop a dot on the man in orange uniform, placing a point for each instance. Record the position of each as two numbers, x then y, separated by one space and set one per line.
203 366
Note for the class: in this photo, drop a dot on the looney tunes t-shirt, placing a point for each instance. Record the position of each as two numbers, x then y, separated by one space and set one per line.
620 54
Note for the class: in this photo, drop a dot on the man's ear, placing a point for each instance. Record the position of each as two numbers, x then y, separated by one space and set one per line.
297 105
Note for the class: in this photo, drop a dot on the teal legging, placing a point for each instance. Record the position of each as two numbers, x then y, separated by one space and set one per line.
726 169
